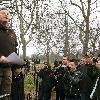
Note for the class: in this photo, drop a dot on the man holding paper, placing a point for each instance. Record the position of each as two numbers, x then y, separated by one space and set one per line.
8 44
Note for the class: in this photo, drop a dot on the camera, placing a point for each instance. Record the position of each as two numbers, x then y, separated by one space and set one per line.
95 60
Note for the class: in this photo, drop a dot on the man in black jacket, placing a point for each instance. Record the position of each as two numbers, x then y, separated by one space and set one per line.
47 83
88 70
8 44
71 81
59 73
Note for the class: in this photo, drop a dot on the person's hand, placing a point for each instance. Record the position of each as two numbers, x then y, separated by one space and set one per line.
98 64
3 59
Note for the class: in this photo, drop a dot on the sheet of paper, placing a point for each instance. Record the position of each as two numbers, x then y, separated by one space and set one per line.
15 59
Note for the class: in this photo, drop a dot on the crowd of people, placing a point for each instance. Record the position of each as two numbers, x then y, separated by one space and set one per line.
71 79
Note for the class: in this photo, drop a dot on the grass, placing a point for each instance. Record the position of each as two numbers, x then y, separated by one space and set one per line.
29 83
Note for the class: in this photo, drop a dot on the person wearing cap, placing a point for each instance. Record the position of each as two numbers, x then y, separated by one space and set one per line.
8 44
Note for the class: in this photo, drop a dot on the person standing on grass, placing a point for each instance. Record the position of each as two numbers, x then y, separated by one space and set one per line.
8 44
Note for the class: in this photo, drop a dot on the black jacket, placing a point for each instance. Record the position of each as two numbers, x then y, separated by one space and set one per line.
17 87
71 82
88 71
8 41
47 76
59 73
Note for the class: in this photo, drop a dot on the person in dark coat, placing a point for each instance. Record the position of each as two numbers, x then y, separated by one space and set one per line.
8 44
59 73
71 81
47 83
95 93
88 70
17 87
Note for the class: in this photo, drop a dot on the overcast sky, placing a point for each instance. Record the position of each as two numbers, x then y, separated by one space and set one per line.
54 6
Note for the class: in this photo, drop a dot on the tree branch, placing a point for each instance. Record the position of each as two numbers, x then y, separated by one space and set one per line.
67 13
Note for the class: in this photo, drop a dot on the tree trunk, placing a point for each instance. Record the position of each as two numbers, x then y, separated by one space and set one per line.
86 40
24 48
66 42
47 53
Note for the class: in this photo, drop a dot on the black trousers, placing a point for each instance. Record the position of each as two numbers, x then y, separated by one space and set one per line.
59 93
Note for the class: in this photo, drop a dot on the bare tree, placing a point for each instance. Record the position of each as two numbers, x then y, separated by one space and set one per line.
86 10
86 16
25 12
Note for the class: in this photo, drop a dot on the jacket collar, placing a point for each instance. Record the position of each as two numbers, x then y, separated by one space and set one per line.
3 26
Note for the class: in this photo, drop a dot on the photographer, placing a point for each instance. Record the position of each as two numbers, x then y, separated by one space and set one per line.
47 82
71 81
59 73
